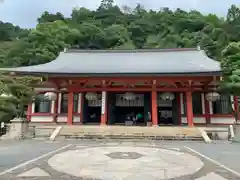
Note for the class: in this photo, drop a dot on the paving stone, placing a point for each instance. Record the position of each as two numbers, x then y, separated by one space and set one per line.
86 173
175 149
127 159
79 147
88 160
124 155
141 176
35 172
211 176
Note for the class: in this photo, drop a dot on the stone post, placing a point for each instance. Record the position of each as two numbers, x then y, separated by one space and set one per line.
18 129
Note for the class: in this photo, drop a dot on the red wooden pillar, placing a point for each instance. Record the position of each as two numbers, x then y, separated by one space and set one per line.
70 108
236 107
189 109
104 108
154 108
29 111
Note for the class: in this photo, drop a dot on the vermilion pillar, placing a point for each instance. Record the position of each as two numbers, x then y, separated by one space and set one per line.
29 112
154 109
236 108
104 108
70 108
189 109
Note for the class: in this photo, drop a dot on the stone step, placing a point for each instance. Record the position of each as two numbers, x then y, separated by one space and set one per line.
43 132
80 136
127 129
120 132
123 132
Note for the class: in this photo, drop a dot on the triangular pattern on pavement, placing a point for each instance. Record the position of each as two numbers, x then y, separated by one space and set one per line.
34 172
211 176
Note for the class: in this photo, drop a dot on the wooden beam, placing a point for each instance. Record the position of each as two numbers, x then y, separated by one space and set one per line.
206 85
124 89
179 84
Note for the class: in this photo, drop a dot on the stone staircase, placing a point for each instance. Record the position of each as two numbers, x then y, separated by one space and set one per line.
126 132
43 131
118 132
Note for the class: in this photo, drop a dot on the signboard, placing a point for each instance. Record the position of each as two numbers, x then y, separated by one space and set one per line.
104 94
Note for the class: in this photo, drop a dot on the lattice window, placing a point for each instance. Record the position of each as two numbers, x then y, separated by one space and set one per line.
42 105
223 105
64 103
196 102
95 103
138 102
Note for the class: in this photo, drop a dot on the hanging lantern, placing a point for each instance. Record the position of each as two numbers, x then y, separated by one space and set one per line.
91 96
212 96
167 96
129 96
52 96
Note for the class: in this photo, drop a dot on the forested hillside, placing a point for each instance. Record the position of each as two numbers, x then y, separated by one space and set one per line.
113 27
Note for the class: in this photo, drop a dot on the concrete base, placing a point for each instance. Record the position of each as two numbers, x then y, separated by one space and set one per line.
17 131
217 133
236 128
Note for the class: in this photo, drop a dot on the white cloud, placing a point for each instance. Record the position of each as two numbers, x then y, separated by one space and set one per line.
25 12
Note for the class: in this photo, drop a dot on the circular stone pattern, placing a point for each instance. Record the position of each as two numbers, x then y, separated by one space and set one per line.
125 163
124 155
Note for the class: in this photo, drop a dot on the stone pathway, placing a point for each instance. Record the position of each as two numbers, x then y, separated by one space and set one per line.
125 163
34 172
112 161
211 176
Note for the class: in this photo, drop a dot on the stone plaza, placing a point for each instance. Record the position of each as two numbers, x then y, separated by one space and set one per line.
115 160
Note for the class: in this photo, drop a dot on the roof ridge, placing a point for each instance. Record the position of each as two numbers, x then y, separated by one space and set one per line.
129 50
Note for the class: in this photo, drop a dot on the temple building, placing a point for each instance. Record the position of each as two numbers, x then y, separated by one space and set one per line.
131 87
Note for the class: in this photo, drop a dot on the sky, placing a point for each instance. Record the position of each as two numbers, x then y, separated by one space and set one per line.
25 12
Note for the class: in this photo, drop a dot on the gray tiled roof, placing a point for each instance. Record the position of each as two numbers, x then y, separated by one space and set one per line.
155 61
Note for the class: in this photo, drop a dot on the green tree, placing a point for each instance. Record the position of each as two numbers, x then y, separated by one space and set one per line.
42 45
48 17
233 23
230 64
89 35
112 27
116 36
15 94
9 32
81 15
106 4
